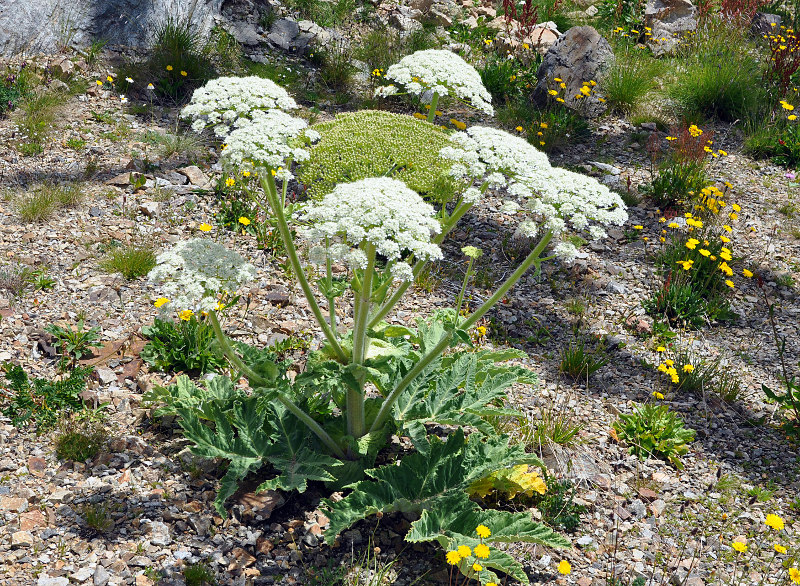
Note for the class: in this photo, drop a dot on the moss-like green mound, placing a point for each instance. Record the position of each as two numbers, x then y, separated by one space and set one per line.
371 143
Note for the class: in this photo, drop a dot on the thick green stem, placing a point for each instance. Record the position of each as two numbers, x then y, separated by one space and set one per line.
256 381
463 287
434 105
356 422
532 258
331 299
268 182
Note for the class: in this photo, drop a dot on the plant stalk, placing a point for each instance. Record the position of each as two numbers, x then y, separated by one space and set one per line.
286 235
434 105
355 399
257 380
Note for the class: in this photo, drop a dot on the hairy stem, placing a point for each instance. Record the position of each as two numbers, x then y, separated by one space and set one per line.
531 259
286 235
355 399
256 381
434 105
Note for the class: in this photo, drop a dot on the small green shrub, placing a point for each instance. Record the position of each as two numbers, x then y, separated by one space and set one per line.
80 437
15 86
628 14
717 80
676 183
97 517
578 362
175 65
42 401
74 343
654 430
224 52
41 202
36 118
630 78
370 143
131 261
187 145
335 66
331 13
556 127
558 507
198 575
507 79
188 345
16 279
556 426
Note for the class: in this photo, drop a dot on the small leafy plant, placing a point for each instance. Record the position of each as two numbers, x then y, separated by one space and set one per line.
81 436
652 430
75 343
41 401
130 261
578 362
188 345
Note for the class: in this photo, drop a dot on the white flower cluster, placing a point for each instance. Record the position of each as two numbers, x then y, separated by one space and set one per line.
380 211
194 272
443 72
560 198
224 100
268 140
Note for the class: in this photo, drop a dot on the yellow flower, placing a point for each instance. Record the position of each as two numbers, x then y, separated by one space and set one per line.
230 182
453 558
150 86
109 79
695 131
733 215
725 239
491 584
541 143
482 551
705 252
205 227
727 228
658 395
464 551
747 273
244 221
794 575
161 301
792 117
673 225
526 46
438 112
543 125
477 567
774 522
661 349
562 85
672 138
688 368
186 314
729 283
245 173
692 243
787 106
551 92
488 42
558 79
739 546
779 548
420 116
169 67
471 251
481 331
483 531
669 362
99 82
458 124
638 227
564 567
687 264
519 128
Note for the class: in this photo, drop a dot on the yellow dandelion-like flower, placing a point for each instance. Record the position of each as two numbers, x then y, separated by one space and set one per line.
688 368
464 551
543 125
477 567
787 106
169 67
183 73
483 531
705 252
638 227
564 567
729 283
482 551
792 117
161 301
774 522
794 575
747 273
552 92
692 243
670 138
453 558
230 182
519 128
661 349
244 221
658 395
779 548
186 314
558 79
205 227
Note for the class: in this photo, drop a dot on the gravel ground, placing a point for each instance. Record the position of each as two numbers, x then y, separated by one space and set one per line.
642 518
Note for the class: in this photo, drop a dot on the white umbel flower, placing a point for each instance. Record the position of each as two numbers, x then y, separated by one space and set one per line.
194 272
268 140
443 72
224 100
380 211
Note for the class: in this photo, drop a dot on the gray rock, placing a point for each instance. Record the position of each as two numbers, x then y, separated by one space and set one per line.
669 20
159 534
103 294
245 33
95 212
592 11
48 581
149 209
45 26
579 55
283 33
195 176
200 523
106 376
81 575
21 539
101 576
764 24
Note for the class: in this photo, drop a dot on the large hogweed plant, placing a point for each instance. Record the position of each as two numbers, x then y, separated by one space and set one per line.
329 423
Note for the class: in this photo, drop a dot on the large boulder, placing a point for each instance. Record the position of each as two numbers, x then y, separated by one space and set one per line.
669 21
579 55
45 26
765 24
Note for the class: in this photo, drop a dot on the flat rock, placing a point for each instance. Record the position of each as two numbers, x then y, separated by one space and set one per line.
21 539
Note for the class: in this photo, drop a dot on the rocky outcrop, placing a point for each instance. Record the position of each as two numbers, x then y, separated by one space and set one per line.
669 20
45 26
765 24
579 55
